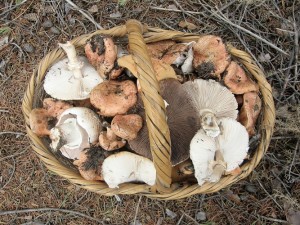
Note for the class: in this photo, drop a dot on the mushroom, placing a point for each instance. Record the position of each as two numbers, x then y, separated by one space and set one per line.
176 54
125 167
187 66
90 162
38 121
183 172
250 111
233 142
210 52
237 81
202 152
114 97
159 48
71 78
127 126
109 141
55 107
182 119
212 101
75 130
102 53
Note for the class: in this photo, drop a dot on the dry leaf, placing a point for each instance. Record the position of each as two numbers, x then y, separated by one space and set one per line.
115 15
188 25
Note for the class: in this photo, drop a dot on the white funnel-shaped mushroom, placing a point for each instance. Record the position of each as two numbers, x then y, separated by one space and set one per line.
202 152
212 101
71 78
75 130
126 167
234 142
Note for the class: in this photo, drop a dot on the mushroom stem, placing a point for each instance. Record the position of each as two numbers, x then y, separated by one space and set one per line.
218 166
209 123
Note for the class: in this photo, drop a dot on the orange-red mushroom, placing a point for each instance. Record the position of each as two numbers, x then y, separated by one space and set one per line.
114 97
55 107
109 141
250 111
237 81
176 54
38 120
210 56
127 126
158 49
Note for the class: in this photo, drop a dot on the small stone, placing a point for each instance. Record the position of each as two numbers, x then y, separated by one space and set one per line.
54 30
251 188
170 214
115 15
28 48
201 216
93 9
47 24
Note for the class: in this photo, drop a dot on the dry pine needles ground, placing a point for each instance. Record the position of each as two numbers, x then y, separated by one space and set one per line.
267 29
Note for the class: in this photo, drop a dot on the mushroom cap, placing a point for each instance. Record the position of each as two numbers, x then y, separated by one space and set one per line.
159 48
211 95
114 97
182 119
237 81
211 49
202 152
127 126
176 54
55 107
94 50
127 167
110 56
233 142
250 111
38 120
60 82
109 141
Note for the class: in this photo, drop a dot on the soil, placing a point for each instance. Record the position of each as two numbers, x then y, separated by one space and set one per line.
269 195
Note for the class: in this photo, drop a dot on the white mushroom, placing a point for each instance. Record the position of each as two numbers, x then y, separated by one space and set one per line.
75 130
234 142
72 78
127 167
212 101
202 151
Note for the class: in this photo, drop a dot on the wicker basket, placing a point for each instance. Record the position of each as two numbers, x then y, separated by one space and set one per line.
159 134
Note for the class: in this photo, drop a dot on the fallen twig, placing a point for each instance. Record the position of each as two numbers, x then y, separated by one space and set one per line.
11 212
137 210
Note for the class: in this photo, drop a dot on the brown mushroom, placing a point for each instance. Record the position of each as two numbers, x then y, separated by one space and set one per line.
94 50
127 126
38 120
250 111
210 56
55 107
237 81
183 172
176 54
90 163
114 97
159 48
109 141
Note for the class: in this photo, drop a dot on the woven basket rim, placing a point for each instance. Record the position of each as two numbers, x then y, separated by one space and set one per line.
176 191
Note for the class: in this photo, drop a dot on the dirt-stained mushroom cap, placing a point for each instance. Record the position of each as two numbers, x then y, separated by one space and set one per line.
114 97
55 107
237 81
38 120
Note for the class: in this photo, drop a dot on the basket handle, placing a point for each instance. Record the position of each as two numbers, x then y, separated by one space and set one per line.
159 134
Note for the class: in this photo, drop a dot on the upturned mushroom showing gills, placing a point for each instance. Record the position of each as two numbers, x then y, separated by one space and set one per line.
182 119
75 130
212 101
126 167
250 111
237 81
202 152
114 97
71 78
102 53
210 52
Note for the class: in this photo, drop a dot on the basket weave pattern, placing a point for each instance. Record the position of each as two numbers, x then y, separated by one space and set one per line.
159 134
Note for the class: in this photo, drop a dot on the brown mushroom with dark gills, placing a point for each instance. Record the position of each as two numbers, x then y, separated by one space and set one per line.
114 97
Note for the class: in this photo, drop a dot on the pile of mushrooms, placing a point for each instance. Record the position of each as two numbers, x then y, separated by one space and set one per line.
94 115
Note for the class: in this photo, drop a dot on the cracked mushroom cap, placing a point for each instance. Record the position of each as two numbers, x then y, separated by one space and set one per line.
176 54
237 81
212 101
126 167
210 52
233 142
55 107
38 121
75 130
127 126
202 152
182 119
159 48
114 97
250 111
